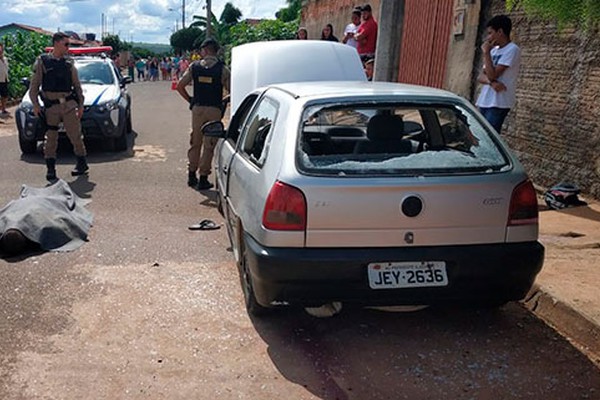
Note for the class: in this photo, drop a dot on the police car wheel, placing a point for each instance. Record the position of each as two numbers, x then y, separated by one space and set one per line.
27 146
120 142
129 125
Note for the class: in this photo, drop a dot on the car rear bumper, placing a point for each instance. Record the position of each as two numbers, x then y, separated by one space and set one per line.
477 273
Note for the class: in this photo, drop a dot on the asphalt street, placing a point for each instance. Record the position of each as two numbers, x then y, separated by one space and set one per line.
148 309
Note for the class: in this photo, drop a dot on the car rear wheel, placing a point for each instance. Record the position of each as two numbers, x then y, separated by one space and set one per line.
252 305
27 146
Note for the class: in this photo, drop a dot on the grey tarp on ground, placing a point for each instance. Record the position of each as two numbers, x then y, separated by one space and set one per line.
53 216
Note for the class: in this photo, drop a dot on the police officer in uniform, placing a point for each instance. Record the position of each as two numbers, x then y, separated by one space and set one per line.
209 76
63 102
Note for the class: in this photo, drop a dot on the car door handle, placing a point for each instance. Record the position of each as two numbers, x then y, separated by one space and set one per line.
225 170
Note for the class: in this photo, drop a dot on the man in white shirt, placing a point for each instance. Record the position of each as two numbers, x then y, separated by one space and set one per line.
3 82
351 28
501 63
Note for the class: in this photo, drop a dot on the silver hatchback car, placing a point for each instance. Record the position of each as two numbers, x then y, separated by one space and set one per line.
374 194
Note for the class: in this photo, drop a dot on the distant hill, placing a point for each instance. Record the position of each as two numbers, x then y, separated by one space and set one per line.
154 47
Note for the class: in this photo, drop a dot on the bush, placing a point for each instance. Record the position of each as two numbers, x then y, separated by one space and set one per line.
21 50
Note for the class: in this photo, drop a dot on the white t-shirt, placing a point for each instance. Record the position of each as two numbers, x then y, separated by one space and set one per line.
510 56
351 28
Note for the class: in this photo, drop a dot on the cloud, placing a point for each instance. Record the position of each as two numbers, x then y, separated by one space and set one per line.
142 20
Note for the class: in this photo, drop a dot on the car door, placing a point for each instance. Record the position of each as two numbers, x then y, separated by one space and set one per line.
246 181
226 150
228 146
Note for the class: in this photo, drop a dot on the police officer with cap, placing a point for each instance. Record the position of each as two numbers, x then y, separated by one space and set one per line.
63 102
209 76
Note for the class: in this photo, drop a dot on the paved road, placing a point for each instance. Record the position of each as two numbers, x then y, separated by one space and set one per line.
149 310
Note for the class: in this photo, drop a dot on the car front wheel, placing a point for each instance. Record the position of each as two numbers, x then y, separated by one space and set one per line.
120 142
27 146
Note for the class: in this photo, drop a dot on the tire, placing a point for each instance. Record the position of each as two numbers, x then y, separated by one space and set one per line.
129 124
27 146
120 143
252 306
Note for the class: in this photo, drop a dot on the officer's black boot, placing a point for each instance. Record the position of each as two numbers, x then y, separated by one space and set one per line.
50 169
203 183
81 167
192 179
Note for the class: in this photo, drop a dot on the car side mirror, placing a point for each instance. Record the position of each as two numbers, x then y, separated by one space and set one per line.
214 129
25 82
126 80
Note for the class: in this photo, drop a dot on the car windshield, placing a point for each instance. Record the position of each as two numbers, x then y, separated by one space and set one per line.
95 73
403 139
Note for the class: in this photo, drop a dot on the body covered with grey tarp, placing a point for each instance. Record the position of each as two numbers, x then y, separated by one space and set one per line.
53 216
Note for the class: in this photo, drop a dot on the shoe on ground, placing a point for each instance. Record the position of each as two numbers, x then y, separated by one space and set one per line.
81 168
203 183
192 179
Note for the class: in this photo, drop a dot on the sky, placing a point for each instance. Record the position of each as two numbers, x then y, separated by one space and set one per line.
151 21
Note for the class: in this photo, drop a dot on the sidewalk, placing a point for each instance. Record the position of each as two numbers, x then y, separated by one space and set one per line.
566 293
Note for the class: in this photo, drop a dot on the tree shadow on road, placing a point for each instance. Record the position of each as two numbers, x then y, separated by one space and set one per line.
434 353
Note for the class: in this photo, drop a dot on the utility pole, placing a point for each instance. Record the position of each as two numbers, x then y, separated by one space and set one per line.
208 19
182 14
389 40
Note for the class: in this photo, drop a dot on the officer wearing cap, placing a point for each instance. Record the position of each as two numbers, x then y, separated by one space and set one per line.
63 102
209 76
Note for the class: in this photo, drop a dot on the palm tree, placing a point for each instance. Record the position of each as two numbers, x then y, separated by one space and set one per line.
219 29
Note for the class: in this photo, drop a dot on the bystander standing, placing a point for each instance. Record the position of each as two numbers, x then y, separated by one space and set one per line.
351 28
3 82
501 63
366 35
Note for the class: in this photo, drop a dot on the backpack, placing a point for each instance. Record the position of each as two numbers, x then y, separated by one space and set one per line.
562 196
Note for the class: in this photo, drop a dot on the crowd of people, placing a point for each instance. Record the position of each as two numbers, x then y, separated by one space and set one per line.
501 59
360 33
158 69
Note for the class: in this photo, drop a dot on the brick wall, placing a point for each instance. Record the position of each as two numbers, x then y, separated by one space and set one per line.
555 126
318 13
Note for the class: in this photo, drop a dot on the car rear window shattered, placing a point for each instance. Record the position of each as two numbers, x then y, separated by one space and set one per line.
396 140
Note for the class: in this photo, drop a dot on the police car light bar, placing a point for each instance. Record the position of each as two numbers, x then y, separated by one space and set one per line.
84 50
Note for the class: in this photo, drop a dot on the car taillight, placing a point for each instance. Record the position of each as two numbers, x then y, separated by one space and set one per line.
285 209
523 205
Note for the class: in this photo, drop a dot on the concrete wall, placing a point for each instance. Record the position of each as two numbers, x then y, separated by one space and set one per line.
462 49
555 125
318 13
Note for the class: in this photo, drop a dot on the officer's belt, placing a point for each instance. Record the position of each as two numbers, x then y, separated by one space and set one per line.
48 102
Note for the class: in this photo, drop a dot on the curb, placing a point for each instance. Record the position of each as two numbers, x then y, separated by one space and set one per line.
576 327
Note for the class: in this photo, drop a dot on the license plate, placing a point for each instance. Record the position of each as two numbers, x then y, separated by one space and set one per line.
393 275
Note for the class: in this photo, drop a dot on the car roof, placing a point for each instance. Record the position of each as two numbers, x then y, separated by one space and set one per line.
324 89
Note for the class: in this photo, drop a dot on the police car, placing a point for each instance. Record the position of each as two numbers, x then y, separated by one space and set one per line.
107 104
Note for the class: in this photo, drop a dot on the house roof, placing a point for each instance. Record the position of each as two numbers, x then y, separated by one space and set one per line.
74 40
28 28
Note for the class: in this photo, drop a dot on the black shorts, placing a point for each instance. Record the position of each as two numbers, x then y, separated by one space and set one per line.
3 89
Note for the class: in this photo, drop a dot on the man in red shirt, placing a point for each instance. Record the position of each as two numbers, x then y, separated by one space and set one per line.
367 34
